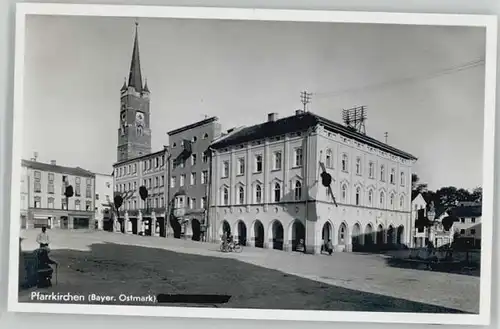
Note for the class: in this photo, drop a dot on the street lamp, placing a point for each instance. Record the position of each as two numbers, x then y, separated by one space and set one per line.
143 193
431 215
118 202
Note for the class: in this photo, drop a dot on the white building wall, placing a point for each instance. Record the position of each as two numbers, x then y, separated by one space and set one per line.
314 208
103 196
468 227
363 213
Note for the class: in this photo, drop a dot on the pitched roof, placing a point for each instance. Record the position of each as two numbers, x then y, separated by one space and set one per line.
192 125
75 171
135 75
470 211
301 122
141 157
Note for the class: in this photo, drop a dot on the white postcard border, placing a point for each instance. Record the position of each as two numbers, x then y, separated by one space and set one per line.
489 22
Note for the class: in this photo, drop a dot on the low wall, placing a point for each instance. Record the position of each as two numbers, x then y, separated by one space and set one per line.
472 256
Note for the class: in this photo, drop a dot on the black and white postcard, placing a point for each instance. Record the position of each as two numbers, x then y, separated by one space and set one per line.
253 164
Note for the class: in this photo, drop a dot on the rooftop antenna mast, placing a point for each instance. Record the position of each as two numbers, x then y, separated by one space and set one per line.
305 99
355 118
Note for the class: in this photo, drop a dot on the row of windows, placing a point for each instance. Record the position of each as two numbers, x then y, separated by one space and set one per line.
147 165
258 163
258 194
37 188
50 176
359 168
158 181
50 204
370 201
194 139
192 179
193 159
180 202
297 195
277 164
472 231
158 202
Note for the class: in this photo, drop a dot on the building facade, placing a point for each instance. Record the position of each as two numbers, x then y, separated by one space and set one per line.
138 216
43 196
467 225
267 187
103 199
189 179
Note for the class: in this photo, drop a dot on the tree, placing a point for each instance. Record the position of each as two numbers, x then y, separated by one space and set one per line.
448 222
118 202
416 186
143 192
68 193
477 194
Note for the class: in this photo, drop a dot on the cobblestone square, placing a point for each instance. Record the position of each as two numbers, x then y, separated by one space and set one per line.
112 264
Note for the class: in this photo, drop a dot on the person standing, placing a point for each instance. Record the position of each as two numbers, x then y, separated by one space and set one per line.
43 238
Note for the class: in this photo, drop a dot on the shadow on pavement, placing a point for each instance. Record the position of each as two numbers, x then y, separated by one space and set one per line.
461 267
114 270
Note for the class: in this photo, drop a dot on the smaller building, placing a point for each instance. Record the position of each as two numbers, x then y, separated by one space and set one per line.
190 173
138 216
103 199
435 231
43 200
467 225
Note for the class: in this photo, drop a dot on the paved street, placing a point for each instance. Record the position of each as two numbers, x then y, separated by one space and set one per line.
112 263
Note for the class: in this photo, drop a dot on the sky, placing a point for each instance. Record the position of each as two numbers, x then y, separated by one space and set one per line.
422 85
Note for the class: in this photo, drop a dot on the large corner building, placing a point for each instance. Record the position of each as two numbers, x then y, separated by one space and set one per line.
267 189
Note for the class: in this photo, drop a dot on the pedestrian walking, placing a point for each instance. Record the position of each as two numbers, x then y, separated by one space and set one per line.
43 238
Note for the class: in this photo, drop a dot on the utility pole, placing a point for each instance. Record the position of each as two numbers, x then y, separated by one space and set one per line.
305 99
386 135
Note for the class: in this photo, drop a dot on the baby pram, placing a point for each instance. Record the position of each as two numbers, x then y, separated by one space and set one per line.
44 268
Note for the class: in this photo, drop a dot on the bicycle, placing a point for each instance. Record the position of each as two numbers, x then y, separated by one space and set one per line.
231 247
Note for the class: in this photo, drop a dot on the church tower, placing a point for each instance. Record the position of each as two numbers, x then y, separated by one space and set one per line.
134 134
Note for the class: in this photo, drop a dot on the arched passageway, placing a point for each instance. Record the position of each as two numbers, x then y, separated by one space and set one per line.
225 228
327 232
242 233
369 235
196 228
342 235
380 235
356 237
401 235
390 235
258 233
277 235
176 227
298 233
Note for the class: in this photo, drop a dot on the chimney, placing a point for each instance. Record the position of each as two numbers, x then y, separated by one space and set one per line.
299 112
53 162
272 117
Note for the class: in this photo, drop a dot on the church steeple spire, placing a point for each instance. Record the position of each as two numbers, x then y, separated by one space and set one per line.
135 76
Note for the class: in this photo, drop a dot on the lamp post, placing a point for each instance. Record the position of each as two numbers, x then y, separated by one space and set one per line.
431 215
143 193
